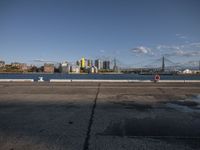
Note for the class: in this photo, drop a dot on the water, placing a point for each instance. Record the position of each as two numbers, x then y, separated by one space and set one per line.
47 77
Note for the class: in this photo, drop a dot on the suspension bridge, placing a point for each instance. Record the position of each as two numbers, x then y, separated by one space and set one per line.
162 65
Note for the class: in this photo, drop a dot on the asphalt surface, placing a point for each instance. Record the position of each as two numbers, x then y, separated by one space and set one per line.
99 116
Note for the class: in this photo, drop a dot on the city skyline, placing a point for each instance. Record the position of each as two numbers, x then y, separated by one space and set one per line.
131 31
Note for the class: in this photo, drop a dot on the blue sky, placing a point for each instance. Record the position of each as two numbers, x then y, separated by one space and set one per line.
133 31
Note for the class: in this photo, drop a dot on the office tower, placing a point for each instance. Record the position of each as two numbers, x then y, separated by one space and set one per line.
82 63
106 65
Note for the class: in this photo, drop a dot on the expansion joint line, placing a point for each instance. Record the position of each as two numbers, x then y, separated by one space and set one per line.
87 139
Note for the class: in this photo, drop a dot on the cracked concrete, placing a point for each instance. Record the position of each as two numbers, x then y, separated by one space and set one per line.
56 116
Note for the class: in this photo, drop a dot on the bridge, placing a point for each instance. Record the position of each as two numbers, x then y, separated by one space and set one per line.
162 65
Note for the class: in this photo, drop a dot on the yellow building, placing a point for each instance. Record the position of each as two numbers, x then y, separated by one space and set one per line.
82 62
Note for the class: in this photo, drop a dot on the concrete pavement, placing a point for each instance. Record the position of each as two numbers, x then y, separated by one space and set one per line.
96 116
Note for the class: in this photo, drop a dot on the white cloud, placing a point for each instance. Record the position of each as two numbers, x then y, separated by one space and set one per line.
181 36
169 47
189 49
188 53
182 53
43 61
196 44
141 50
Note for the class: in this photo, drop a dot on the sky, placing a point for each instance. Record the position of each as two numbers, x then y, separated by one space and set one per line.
135 32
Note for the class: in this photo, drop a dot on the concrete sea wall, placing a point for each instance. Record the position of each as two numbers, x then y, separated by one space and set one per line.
106 81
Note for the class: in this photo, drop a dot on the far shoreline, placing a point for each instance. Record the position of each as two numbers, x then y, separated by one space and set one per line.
59 73
107 73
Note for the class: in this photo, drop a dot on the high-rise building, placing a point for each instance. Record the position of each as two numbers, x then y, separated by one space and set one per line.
90 63
78 63
86 63
98 64
106 65
82 63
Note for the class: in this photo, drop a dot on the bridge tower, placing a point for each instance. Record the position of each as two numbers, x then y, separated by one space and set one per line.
163 64
115 67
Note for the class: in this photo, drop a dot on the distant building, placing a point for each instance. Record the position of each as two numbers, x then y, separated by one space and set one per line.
64 67
24 67
98 64
106 65
196 71
19 66
187 71
2 64
49 68
32 68
78 63
89 63
86 63
82 63
92 63
16 64
74 69
93 69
